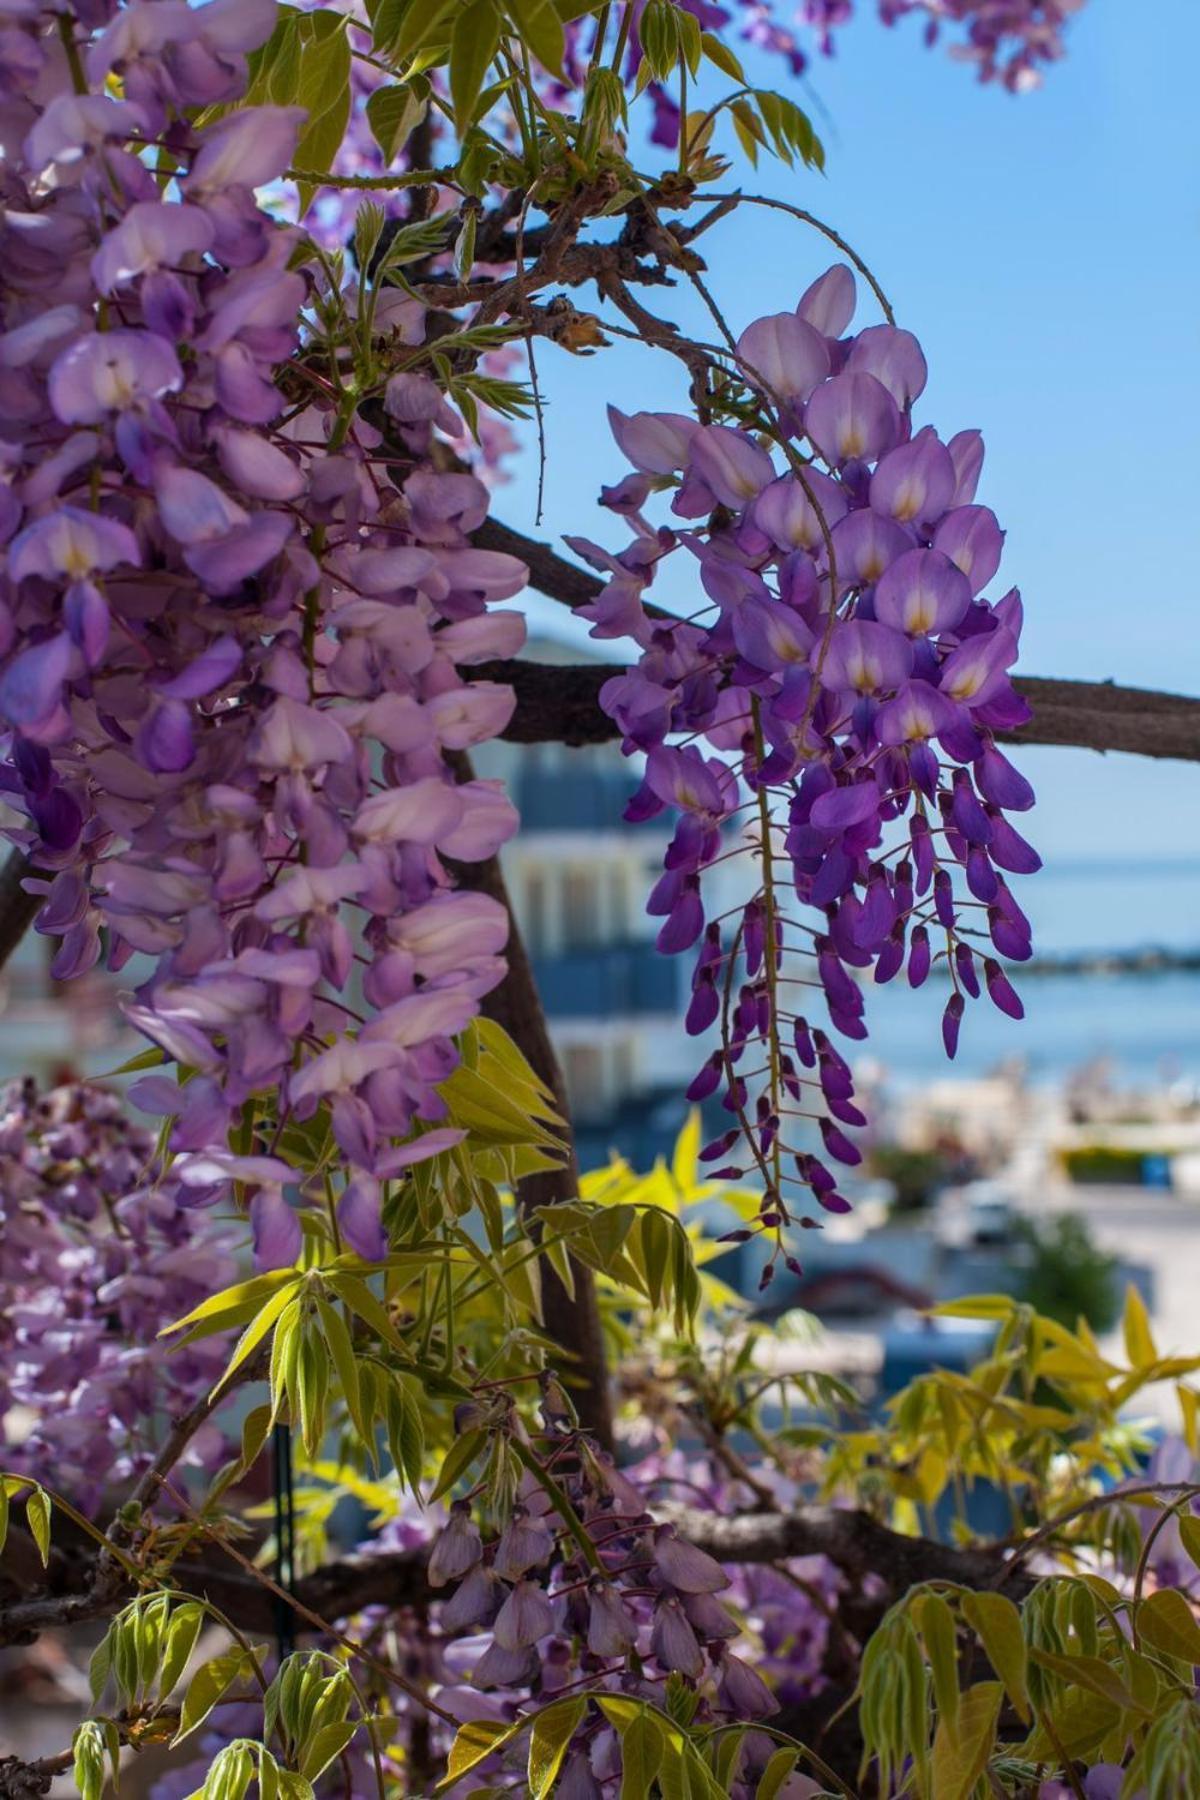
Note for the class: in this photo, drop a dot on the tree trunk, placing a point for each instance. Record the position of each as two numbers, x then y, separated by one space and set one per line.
573 1321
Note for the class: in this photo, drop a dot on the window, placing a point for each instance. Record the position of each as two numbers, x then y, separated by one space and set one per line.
534 920
581 909
583 1066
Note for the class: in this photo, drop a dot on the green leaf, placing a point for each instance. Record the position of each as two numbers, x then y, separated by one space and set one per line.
405 1432
553 1729
89 1760
1189 1531
936 1623
326 1743
976 1306
472 47
258 1328
495 1042
241 1301
1139 1339
1165 1622
1082 1720
473 1743
464 247
325 91
341 1350
997 1624
211 1681
960 1757
781 1765
100 1664
478 1106
364 1305
1093 1673
540 27
642 1749
458 1459
153 1058
425 23
657 1234
393 113
748 130
184 1629
37 1517
722 57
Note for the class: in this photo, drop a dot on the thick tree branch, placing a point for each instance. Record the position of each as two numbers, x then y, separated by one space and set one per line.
858 1544
855 1542
571 1320
561 705
18 909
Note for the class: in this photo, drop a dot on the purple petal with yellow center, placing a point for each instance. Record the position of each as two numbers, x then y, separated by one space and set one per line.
112 372
852 417
733 465
785 354
922 593
863 657
914 482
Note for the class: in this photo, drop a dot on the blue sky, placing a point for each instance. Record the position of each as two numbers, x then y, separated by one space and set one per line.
1046 251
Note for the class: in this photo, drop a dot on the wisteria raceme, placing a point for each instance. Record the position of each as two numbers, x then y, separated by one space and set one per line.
847 673
1006 40
532 1614
93 1264
234 615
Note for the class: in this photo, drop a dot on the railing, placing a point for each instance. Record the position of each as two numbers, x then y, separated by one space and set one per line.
610 981
592 800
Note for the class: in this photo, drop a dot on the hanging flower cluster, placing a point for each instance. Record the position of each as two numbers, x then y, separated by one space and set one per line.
93 1263
619 1602
233 614
1006 40
849 674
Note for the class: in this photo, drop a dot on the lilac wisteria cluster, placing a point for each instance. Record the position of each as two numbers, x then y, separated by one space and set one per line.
234 615
1010 41
93 1263
615 1602
848 675
1006 40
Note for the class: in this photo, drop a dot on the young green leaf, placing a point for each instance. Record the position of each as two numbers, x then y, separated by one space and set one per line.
551 1733
209 1684
473 1743
37 1517
540 28
642 1748
472 47
393 113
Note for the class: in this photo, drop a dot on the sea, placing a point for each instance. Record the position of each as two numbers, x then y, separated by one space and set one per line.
1145 1025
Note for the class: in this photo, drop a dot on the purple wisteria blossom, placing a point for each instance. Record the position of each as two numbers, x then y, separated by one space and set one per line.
232 624
94 1262
836 704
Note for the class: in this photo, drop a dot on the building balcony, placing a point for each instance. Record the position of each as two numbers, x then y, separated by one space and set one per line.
608 982
592 800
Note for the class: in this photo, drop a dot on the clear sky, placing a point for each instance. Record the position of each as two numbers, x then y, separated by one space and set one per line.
1046 251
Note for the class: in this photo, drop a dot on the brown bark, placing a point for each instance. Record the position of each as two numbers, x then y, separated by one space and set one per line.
572 1320
561 704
